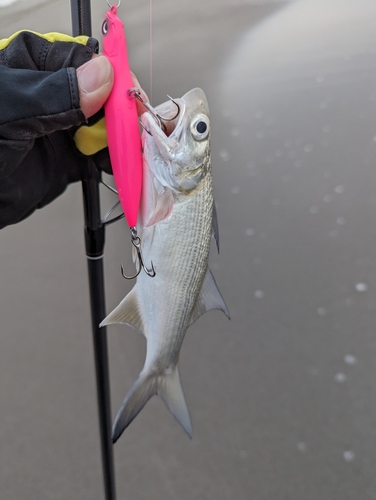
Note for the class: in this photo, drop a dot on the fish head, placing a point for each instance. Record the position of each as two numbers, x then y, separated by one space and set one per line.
179 156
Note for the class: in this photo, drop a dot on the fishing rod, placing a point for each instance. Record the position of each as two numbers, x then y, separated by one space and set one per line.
124 144
94 244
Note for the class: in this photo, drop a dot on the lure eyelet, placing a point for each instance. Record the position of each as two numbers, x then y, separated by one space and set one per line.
200 127
113 5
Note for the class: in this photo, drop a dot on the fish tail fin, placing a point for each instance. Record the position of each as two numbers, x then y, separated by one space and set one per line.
167 386
171 391
142 390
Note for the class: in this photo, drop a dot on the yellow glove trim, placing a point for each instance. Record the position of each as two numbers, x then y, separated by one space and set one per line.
50 37
90 140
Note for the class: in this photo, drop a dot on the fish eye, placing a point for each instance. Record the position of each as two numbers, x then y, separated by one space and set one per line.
200 127
105 27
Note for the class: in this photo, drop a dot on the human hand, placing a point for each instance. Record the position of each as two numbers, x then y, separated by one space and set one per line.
51 84
95 80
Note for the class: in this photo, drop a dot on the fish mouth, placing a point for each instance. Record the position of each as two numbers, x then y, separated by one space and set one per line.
168 136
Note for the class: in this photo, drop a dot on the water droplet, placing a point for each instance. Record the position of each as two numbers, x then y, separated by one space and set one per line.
339 189
298 163
341 221
251 164
278 153
302 446
260 134
323 105
361 287
327 174
326 129
333 233
349 301
374 138
259 113
288 144
340 377
314 210
250 232
235 131
321 311
328 198
349 359
308 148
319 78
235 189
243 454
259 294
349 456
224 154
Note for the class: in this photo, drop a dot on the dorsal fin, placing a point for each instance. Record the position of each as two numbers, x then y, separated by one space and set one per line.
210 298
215 226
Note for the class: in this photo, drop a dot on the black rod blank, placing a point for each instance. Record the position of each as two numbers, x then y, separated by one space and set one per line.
94 242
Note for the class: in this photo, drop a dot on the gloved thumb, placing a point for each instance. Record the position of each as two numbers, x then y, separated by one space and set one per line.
95 80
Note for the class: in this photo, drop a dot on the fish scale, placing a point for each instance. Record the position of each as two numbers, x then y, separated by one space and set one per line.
189 274
175 228
186 277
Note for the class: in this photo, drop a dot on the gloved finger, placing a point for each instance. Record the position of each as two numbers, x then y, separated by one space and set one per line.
91 137
95 80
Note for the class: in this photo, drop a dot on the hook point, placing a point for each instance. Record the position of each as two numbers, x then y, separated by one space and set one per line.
136 242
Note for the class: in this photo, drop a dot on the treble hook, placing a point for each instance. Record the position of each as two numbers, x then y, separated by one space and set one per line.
136 93
136 242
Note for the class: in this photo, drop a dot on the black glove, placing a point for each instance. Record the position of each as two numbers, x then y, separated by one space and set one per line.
40 111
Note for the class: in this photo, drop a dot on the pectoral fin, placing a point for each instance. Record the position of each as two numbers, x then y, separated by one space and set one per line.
210 298
163 207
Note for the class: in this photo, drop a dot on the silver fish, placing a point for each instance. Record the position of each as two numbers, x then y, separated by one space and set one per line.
177 218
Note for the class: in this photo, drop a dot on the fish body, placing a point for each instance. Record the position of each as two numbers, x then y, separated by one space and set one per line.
175 227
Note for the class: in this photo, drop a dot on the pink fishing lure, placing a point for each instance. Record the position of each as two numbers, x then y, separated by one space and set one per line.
123 133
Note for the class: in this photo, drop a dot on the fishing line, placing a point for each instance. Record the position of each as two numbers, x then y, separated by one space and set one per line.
151 50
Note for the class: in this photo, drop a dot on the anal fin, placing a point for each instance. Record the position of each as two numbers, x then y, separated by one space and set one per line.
128 312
